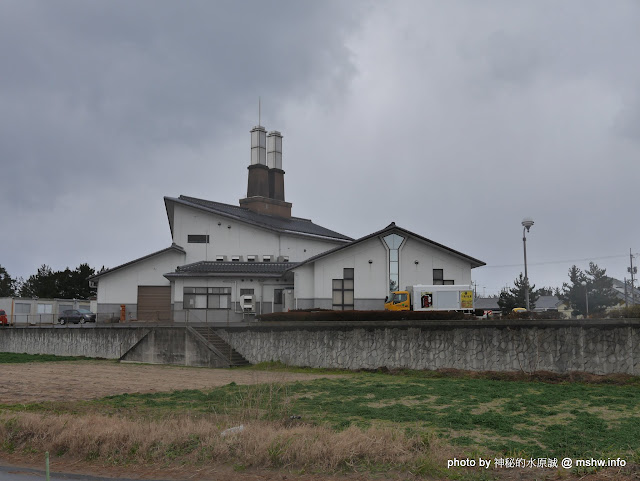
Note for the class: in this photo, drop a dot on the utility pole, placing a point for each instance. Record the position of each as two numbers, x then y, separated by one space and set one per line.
626 294
632 270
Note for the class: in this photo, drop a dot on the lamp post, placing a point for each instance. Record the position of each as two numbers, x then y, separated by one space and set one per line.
527 222
586 297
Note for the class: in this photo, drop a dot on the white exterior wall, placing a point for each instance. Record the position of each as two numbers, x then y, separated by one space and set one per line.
430 258
121 286
371 281
238 239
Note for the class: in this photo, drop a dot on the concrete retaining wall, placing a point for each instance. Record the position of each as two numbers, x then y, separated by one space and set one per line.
177 346
598 347
104 342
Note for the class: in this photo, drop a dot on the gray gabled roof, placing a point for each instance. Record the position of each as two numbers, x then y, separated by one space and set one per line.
394 228
619 288
293 225
173 247
256 269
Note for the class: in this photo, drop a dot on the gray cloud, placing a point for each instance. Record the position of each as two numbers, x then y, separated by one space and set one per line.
453 119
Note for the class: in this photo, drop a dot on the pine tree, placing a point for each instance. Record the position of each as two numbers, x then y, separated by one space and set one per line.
598 289
515 297
7 284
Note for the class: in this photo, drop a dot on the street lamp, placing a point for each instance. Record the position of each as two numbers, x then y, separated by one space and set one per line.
586 296
527 222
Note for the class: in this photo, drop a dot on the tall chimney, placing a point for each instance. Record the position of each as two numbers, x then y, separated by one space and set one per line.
274 162
258 184
265 188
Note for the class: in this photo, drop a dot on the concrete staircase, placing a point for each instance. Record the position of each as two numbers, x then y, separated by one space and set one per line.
234 357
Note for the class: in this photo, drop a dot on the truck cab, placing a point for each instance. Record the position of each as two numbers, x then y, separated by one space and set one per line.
398 301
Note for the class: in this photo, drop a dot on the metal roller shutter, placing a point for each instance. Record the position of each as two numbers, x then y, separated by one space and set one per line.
154 303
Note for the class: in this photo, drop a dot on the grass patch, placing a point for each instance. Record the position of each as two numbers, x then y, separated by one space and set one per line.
426 412
13 358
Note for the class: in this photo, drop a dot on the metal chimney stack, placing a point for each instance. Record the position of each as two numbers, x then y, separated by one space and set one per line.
274 162
258 184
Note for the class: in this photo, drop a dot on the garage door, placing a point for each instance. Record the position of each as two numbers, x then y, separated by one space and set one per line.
154 303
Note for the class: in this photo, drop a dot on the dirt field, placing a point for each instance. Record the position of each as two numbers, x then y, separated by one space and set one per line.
69 381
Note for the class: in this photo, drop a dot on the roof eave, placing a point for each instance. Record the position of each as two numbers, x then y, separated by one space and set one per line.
173 247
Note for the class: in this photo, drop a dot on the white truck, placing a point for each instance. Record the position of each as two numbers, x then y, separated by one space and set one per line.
431 298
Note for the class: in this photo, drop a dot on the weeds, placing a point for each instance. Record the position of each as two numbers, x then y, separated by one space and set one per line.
13 358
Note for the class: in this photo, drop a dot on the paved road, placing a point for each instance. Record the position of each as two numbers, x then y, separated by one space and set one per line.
9 473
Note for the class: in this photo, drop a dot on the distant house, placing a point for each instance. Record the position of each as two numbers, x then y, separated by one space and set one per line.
543 304
624 294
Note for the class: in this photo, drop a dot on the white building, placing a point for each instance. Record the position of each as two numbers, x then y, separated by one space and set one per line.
230 261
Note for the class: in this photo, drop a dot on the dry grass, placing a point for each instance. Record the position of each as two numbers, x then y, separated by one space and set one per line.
184 439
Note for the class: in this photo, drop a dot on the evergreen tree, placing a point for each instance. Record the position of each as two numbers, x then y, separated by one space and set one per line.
65 284
599 289
41 284
515 297
7 284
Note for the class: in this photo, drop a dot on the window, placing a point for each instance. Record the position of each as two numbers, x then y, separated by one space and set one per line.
393 242
438 277
220 258
45 308
64 307
277 296
235 258
266 258
251 258
198 239
246 292
439 280
23 308
207 298
343 291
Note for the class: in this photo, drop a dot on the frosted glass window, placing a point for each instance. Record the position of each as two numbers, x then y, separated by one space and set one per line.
394 241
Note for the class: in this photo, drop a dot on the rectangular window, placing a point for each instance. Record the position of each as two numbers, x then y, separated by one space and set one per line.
439 280
251 258
64 307
23 308
220 258
235 258
198 239
45 308
343 291
207 297
246 292
438 277
266 258
277 296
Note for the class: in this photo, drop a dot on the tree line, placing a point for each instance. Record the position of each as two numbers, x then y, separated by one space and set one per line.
598 289
50 284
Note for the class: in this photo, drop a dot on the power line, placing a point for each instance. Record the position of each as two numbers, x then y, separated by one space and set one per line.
556 262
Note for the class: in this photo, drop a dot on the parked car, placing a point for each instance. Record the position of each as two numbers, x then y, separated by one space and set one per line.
77 316
3 318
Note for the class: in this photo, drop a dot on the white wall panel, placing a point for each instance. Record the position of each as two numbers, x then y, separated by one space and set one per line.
121 286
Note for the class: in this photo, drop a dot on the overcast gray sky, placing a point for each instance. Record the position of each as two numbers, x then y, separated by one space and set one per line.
455 119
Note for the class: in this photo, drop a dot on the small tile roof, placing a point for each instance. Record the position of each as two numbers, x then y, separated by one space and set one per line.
293 225
258 269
